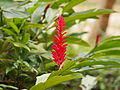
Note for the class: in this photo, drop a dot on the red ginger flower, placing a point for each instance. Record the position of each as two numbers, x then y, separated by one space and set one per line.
59 46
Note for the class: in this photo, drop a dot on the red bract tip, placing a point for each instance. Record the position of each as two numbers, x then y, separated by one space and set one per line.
59 40
98 38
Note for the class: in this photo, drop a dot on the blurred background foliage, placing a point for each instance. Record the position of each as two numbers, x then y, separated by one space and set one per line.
26 34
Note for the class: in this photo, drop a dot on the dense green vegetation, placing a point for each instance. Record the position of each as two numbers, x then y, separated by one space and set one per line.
26 34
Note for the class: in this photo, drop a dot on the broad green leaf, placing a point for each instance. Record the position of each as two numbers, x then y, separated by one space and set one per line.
107 53
15 14
75 40
71 4
59 79
88 14
107 45
8 31
37 13
8 3
26 38
14 27
50 14
20 45
53 81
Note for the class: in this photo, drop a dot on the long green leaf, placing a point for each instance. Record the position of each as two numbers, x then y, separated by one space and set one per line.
107 53
100 62
8 31
107 45
88 14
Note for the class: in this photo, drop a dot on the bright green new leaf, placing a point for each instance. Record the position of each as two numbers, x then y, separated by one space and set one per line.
14 27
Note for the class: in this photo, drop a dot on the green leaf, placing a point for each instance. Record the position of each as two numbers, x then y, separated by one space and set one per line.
15 14
77 34
59 79
88 14
107 53
58 3
32 9
32 25
75 40
50 14
8 86
66 69
46 0
21 45
96 68
26 38
8 31
14 27
37 13
8 3
100 62
71 4
107 45
53 81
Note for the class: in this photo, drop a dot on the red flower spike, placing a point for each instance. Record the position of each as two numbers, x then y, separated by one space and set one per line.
59 46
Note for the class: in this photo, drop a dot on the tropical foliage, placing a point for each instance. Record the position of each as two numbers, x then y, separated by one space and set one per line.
26 35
